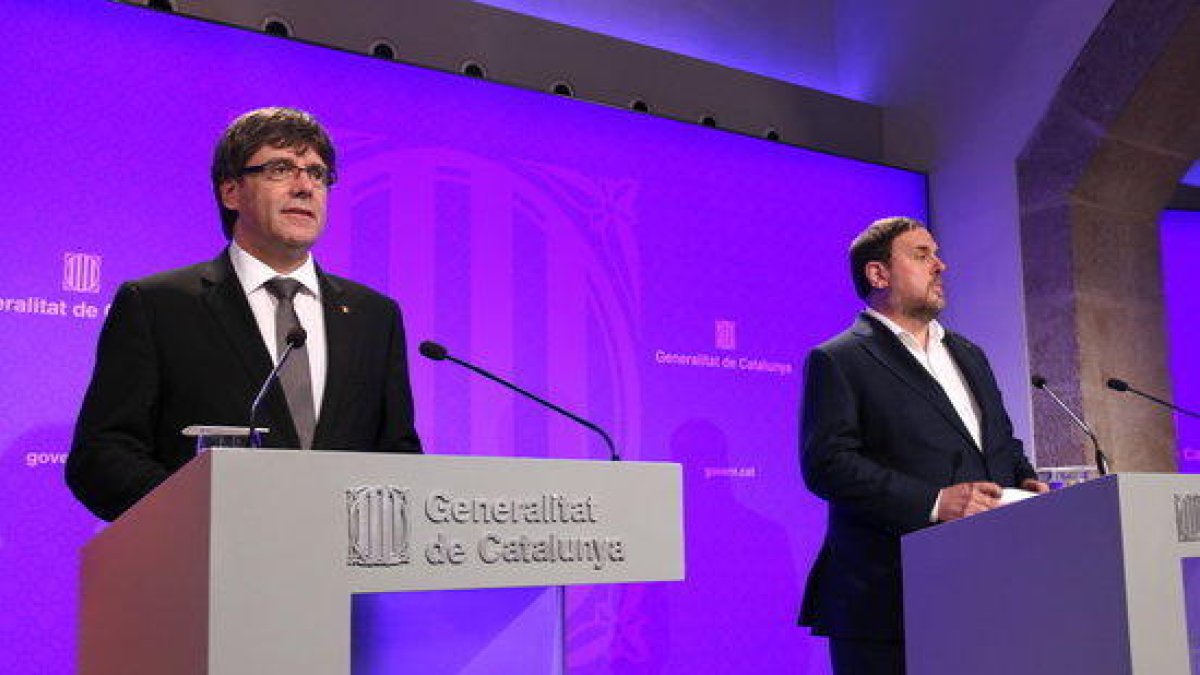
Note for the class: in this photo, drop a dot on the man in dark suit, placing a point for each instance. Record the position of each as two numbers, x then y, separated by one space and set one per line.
193 345
902 426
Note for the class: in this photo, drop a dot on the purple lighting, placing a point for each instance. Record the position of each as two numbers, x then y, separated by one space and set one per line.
791 41
1179 233
659 278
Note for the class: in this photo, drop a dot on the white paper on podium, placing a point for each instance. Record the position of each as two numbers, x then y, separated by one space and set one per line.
1014 495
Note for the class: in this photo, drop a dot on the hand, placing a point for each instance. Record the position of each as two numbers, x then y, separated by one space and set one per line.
967 499
1034 485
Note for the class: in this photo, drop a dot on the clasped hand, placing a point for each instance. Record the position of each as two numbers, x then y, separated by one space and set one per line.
967 499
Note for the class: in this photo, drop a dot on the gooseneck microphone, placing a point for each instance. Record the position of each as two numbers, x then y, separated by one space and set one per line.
1121 385
436 352
1039 382
295 339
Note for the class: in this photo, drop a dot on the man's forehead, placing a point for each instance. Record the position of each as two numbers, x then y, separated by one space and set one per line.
269 151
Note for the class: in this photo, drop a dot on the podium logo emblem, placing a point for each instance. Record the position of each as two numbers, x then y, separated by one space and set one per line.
378 526
1187 517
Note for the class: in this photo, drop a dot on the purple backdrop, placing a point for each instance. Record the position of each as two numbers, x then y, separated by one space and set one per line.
1180 239
660 278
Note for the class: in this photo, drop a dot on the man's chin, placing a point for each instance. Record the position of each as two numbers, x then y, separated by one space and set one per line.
300 244
928 312
300 241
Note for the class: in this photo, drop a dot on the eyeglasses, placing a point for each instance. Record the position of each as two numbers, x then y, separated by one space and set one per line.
280 170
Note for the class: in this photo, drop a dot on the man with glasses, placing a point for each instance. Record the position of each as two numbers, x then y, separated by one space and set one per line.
194 345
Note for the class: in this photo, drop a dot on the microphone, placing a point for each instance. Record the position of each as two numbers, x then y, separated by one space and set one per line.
1039 382
436 352
1121 385
433 351
295 339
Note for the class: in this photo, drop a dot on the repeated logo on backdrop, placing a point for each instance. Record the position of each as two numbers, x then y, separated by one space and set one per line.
725 340
80 274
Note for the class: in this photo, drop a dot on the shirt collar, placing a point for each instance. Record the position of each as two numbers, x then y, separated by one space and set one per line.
253 273
936 332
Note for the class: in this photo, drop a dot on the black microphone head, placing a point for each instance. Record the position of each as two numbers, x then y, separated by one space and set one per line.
296 337
1038 381
1117 385
432 350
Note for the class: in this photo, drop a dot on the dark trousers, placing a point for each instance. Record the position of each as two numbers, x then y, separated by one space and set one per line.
866 657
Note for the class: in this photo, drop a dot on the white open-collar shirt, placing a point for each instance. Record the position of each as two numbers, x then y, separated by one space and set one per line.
937 360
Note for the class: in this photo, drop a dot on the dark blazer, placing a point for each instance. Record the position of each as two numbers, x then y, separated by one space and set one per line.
879 439
182 348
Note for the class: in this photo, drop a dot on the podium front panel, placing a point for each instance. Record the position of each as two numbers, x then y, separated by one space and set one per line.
292 535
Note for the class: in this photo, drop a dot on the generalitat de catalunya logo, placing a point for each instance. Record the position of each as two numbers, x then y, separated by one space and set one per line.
81 272
378 522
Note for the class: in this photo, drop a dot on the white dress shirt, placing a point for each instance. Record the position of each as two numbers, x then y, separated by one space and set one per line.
937 360
253 273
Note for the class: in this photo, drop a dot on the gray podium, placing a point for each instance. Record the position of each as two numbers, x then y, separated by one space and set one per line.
246 561
1091 579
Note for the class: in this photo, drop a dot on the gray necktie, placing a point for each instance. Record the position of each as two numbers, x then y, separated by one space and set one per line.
295 376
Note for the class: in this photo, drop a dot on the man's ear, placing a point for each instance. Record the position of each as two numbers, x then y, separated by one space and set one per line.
878 275
231 194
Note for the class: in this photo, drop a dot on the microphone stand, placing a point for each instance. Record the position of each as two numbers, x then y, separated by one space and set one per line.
295 340
1121 385
1101 461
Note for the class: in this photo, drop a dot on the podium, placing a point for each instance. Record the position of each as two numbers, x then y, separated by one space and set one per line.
1099 578
246 561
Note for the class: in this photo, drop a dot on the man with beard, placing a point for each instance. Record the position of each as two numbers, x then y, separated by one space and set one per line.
902 426
194 345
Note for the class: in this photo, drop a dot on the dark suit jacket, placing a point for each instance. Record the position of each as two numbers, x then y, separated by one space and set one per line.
879 439
182 348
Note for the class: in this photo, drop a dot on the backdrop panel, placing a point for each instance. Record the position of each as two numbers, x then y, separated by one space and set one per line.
660 278
1179 233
